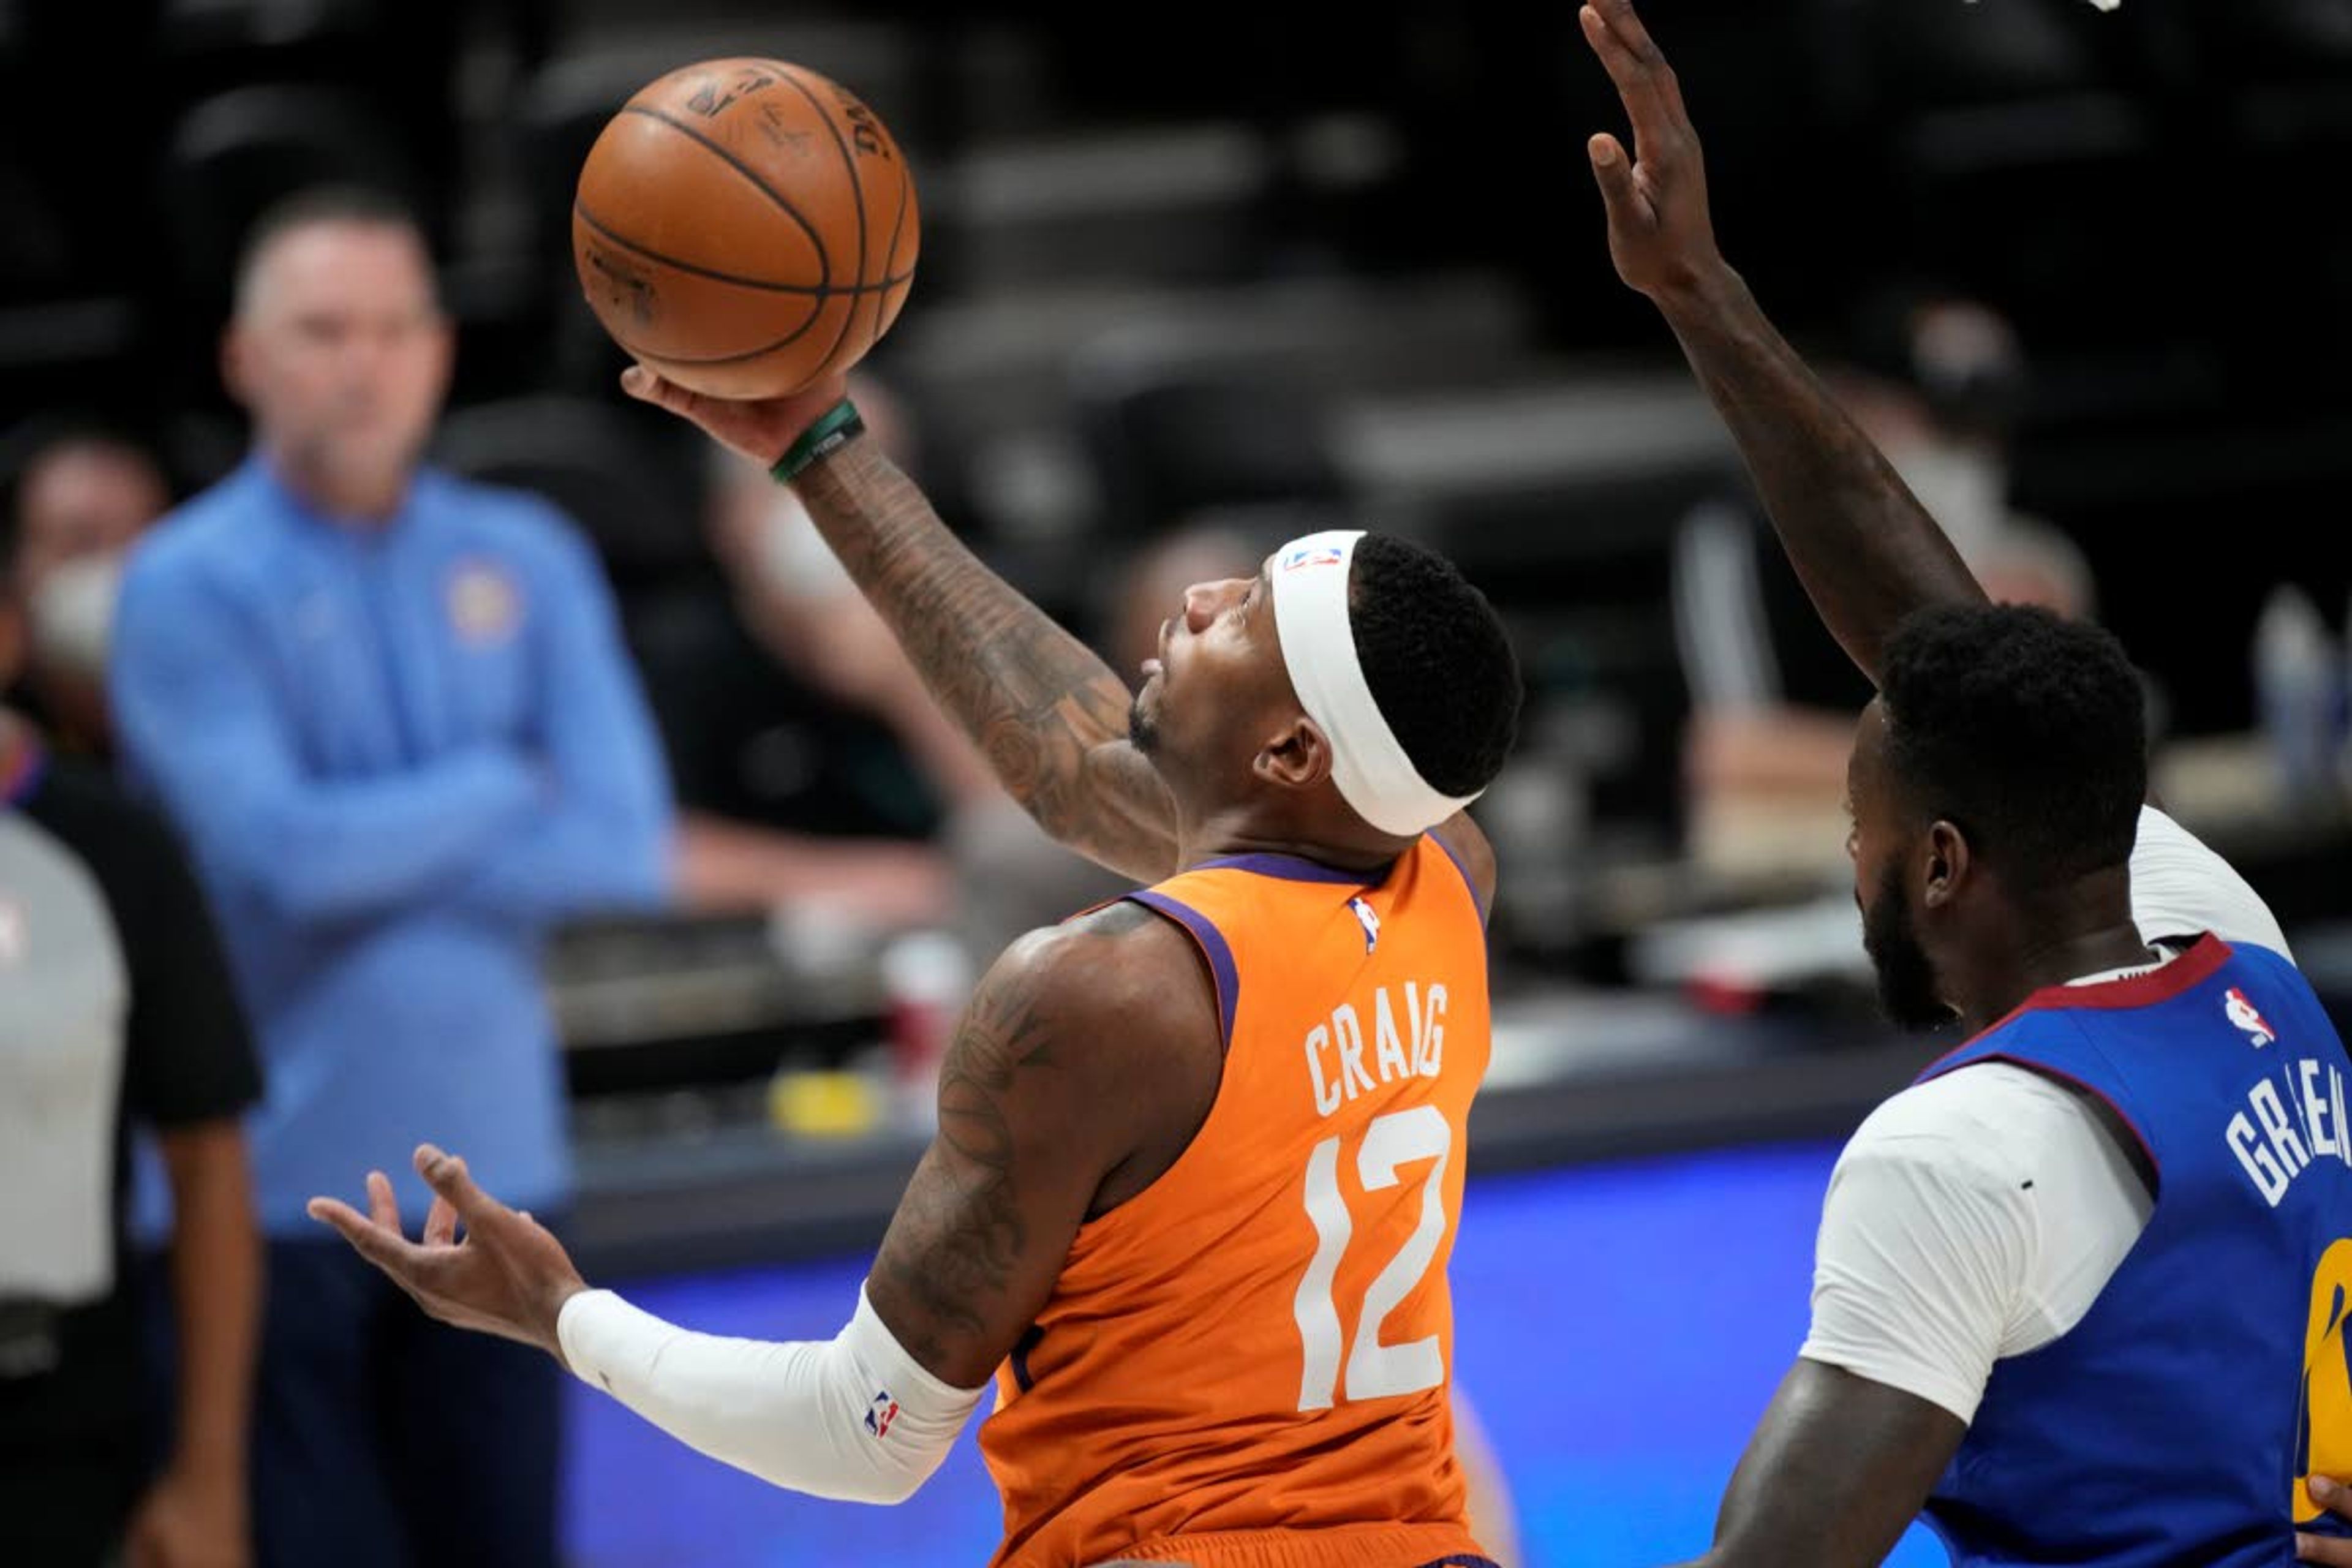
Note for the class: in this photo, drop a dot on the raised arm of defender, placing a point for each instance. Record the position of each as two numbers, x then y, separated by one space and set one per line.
1866 551
1050 717
1839 1465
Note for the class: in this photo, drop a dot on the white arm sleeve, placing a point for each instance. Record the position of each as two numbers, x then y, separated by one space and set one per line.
1979 1216
1975 1216
2180 887
855 1417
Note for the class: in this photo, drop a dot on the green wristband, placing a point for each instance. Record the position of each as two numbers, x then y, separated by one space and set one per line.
833 429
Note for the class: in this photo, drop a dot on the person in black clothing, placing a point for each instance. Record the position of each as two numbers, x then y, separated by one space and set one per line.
75 494
116 1008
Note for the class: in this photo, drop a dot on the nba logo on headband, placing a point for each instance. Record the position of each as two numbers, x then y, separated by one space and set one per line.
1319 647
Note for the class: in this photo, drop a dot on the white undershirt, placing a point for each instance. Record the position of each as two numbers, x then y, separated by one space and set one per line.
1978 1215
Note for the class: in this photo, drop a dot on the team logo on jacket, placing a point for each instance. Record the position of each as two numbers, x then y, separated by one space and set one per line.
2241 1012
1369 920
485 606
880 1412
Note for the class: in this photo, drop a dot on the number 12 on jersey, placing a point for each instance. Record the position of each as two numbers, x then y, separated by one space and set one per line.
1374 1370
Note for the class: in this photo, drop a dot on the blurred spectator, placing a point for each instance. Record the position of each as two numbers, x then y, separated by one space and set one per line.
812 765
115 1006
77 495
390 710
1936 384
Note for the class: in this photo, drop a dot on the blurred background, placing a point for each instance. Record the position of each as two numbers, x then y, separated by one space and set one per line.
1192 281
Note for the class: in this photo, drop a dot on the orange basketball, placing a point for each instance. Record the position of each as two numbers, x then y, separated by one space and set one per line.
745 228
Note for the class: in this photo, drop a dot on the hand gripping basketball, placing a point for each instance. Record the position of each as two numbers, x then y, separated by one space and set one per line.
761 428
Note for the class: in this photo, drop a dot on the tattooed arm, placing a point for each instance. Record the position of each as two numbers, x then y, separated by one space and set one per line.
1869 554
1050 717
1088 1057
1085 1062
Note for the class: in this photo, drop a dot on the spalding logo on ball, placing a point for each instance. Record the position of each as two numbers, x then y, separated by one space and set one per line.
746 227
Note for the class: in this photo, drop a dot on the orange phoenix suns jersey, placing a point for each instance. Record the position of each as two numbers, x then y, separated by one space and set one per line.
1247 1364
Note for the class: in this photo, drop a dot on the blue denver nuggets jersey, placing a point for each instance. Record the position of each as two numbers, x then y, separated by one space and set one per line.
2176 1422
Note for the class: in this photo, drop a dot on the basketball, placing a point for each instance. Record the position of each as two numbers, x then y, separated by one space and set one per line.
745 228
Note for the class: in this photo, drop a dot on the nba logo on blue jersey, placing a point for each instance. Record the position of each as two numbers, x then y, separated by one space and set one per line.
1369 920
1311 555
2241 1012
880 1413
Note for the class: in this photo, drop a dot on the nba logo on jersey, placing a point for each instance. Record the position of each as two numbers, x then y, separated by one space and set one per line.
2241 1012
1369 920
1311 555
881 1412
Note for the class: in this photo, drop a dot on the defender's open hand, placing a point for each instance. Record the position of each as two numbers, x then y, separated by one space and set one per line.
1660 234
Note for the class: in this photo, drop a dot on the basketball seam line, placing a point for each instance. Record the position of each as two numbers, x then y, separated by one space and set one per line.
824 260
764 349
817 291
890 252
856 192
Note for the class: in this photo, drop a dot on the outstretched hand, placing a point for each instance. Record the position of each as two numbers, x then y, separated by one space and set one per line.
760 430
507 1276
1660 233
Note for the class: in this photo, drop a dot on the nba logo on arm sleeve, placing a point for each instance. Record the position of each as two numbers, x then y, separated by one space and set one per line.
880 1411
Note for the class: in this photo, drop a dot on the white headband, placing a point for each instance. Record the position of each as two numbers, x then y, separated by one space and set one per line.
1310 615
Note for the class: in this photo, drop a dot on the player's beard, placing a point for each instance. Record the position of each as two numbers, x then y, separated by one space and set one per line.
1140 727
1906 976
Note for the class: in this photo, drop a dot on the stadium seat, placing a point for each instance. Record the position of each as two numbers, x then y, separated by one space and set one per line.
234 154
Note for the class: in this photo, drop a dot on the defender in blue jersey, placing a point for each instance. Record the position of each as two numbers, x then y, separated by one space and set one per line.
2080 1294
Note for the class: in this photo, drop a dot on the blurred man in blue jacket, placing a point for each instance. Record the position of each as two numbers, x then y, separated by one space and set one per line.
393 715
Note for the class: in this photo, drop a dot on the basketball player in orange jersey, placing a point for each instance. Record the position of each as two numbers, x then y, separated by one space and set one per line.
1200 1153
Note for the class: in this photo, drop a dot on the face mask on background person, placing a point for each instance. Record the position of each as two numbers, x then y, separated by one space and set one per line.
71 614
